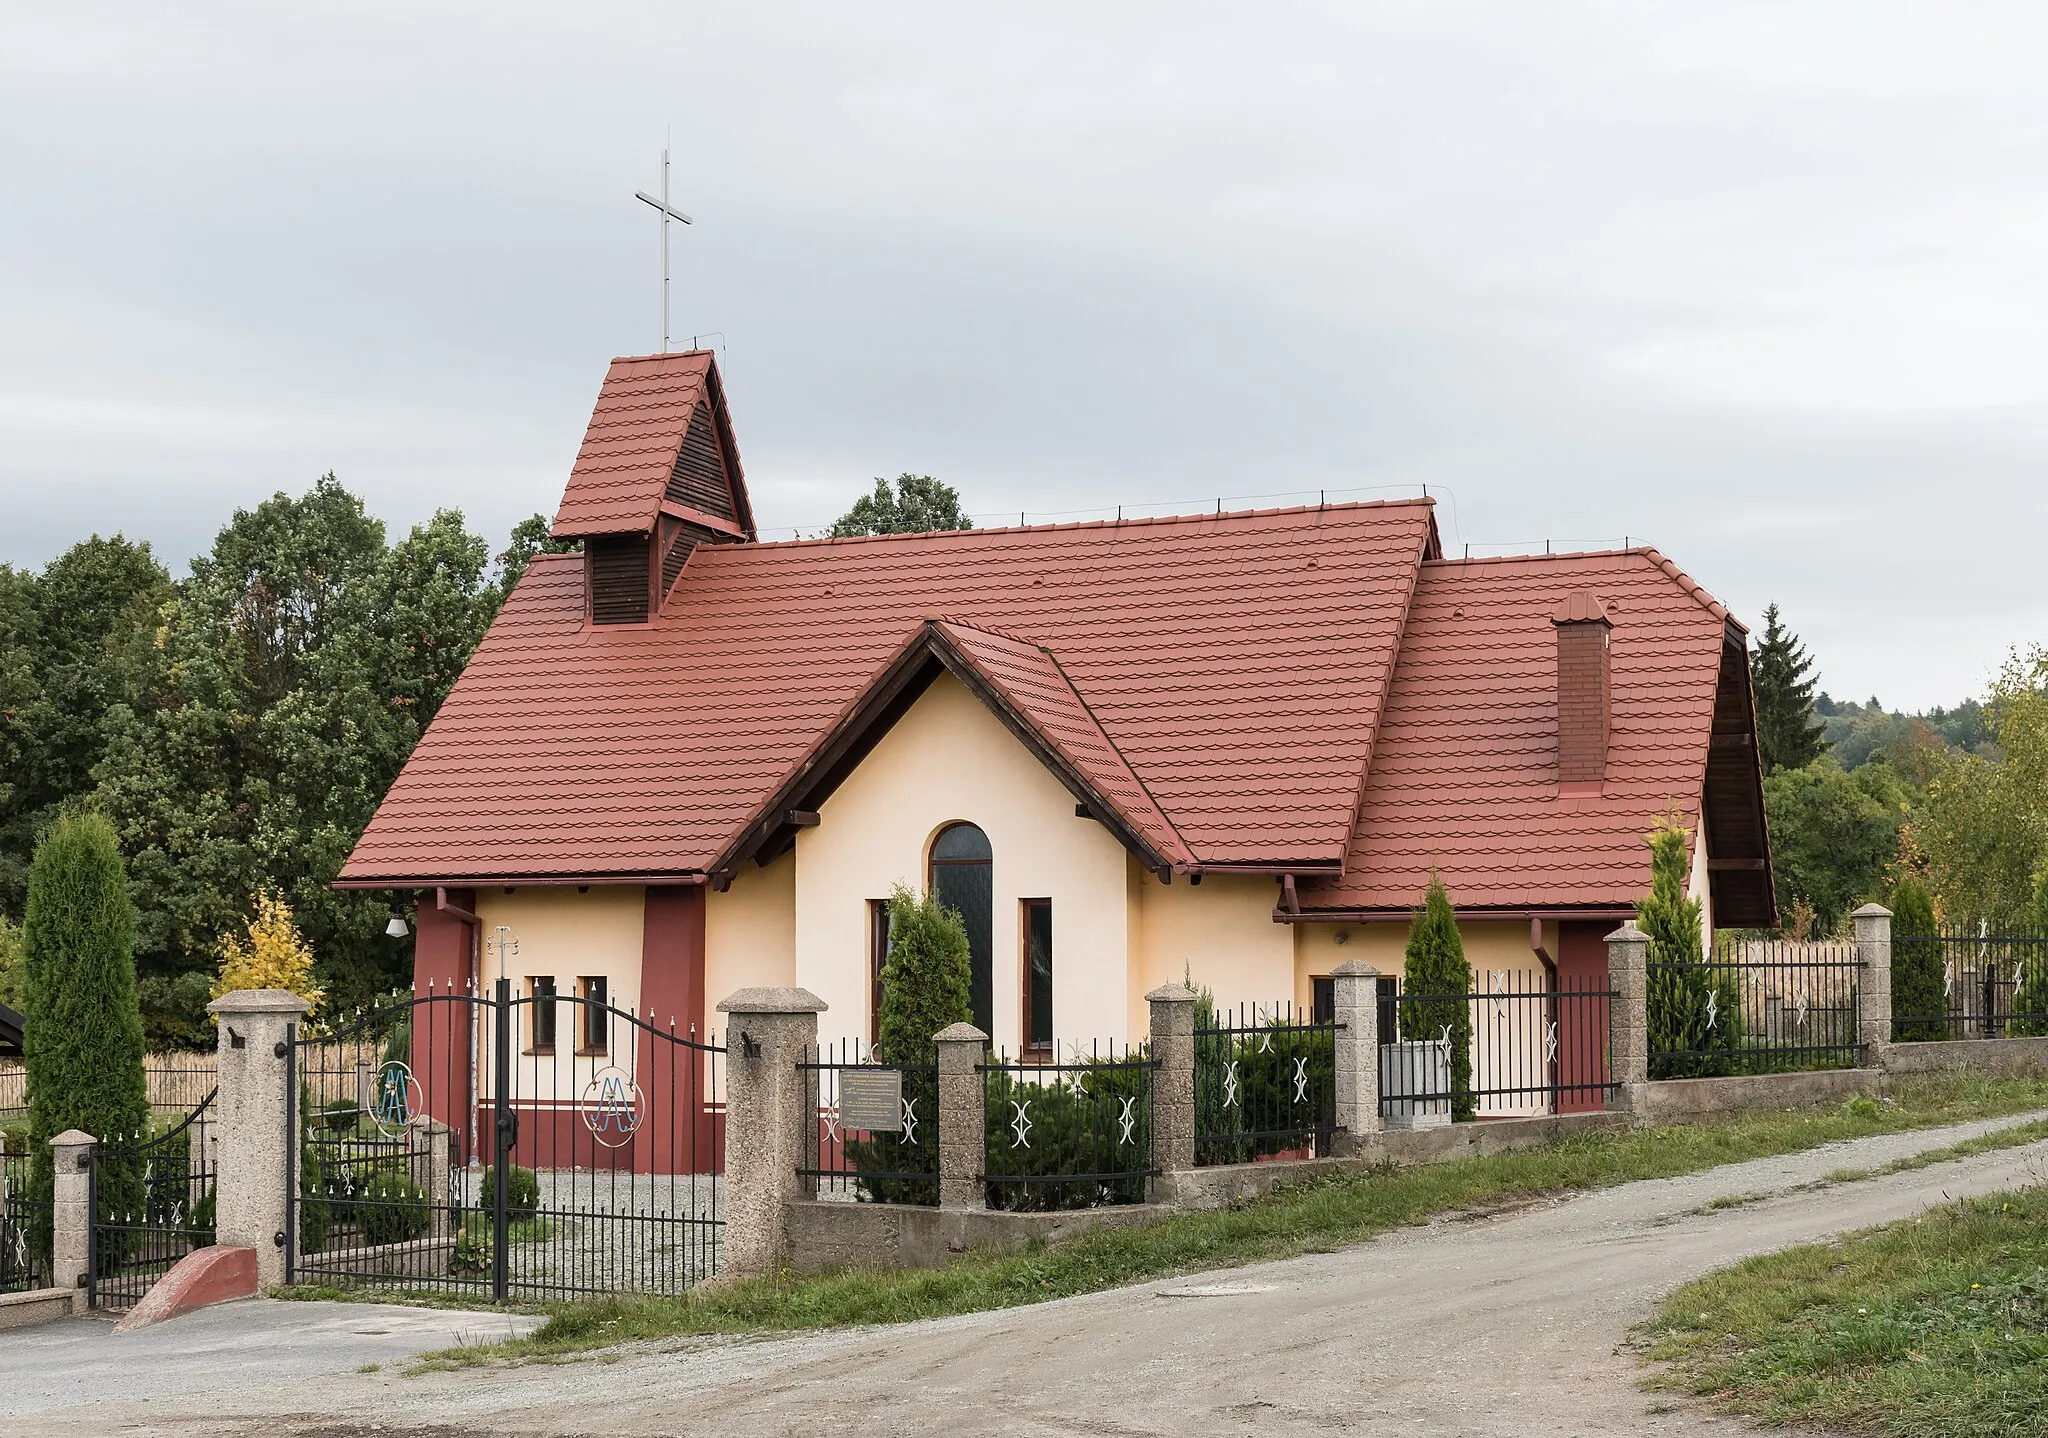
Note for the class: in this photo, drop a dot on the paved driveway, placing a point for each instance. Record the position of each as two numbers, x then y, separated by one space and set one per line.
1507 1325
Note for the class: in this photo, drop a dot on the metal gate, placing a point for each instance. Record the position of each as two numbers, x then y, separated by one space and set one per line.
527 1147
152 1201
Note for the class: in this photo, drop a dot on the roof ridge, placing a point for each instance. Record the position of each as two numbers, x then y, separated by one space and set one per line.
1132 522
1692 587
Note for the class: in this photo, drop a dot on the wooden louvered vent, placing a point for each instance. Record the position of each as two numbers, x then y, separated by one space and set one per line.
672 563
618 578
699 479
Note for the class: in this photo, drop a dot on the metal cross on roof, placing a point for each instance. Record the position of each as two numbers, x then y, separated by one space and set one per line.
667 213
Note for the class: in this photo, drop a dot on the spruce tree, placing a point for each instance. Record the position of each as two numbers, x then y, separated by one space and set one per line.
1695 1013
82 1048
1780 673
1435 972
1919 997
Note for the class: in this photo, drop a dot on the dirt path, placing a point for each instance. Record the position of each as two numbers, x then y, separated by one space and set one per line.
1505 1325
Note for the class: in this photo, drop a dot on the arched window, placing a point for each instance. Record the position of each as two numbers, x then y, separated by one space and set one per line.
961 878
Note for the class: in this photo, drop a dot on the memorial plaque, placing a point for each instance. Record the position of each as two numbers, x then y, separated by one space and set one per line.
871 1099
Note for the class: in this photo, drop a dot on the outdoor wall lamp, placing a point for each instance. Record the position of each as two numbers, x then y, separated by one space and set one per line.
396 928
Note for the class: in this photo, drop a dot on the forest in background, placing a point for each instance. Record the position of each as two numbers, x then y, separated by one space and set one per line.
239 726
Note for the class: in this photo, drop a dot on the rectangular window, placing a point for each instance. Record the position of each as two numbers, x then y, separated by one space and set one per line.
878 955
542 992
1037 1027
1388 992
1322 1000
593 1031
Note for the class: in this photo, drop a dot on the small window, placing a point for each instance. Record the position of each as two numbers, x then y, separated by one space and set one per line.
1388 993
1037 1026
542 992
594 1030
878 955
1322 1000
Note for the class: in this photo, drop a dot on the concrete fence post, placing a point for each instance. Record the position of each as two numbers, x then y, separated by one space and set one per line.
1874 985
1355 988
254 1065
771 1120
963 1123
1628 1016
71 1209
434 1140
1173 1082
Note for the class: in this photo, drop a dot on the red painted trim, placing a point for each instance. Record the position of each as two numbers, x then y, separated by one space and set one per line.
520 881
202 1277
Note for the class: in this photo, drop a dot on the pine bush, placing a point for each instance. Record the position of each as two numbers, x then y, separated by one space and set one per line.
83 1045
1437 974
1919 997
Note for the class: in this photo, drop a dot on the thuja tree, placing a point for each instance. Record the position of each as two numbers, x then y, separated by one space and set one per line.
1695 1014
924 990
2030 1003
1434 983
1919 997
82 1048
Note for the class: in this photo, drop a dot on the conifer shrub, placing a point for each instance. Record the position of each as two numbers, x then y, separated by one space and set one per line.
1919 997
270 954
2030 1001
1695 1013
1072 1134
83 1043
924 990
1435 981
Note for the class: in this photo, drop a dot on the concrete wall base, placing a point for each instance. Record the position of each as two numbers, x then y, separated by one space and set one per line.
1676 1100
1992 1056
40 1305
827 1235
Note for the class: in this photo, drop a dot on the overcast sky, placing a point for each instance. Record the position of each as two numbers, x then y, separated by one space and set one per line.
1766 286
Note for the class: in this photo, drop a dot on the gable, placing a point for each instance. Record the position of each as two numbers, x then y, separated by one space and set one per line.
699 479
658 437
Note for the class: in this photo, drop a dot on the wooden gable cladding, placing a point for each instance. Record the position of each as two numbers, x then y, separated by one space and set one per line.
618 569
700 479
677 540
1732 804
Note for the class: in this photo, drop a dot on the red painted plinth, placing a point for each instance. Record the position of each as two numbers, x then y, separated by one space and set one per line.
203 1276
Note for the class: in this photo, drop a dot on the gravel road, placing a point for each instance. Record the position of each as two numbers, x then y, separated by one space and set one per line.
1503 1325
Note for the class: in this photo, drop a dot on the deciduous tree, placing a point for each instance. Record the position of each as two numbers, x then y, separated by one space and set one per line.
916 504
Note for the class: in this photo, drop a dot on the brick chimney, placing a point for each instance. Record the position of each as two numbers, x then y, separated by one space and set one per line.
1582 692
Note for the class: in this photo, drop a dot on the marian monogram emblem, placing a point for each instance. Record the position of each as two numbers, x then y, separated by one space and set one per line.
612 1106
398 1099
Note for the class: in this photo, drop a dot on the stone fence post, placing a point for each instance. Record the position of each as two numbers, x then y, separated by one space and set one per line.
254 1064
1355 988
71 1211
771 1120
1173 1082
1628 1016
1874 986
963 1121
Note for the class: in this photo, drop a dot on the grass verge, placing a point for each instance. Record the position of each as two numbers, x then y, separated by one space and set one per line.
1309 1217
1935 1327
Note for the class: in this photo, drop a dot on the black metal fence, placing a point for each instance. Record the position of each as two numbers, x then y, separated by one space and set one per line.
1515 1044
877 1126
152 1202
1956 985
1265 1084
539 1147
1068 1135
1758 1007
24 1225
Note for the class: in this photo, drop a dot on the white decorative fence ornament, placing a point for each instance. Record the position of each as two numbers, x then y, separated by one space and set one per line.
1020 1123
1230 1085
910 1120
1127 1120
613 1106
1301 1079
1550 1042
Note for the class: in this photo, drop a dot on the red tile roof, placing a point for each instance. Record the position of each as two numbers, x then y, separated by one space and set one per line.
1464 772
1234 663
1030 679
636 429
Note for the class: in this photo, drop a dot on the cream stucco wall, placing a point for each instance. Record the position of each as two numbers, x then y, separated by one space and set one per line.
569 935
1220 932
750 932
1490 946
947 760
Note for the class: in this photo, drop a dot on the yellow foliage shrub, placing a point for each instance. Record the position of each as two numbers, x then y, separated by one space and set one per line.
272 955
